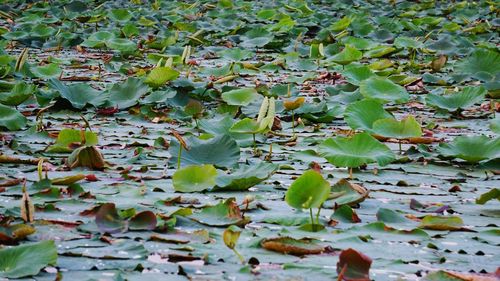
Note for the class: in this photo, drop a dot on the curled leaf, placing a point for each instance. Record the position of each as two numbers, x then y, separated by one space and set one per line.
353 266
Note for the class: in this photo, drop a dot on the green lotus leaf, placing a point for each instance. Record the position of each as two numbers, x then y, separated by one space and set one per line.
79 94
362 114
455 101
236 54
159 76
246 176
225 213
194 178
221 151
20 93
122 45
67 139
11 118
241 97
379 51
355 151
494 193
354 74
98 39
251 126
441 222
495 125
28 259
471 148
346 193
408 127
383 89
347 55
120 15
128 93
292 246
309 190
482 64
48 71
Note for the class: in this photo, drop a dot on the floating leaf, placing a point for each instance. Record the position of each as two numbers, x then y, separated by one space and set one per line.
221 151
442 223
355 151
245 176
309 190
490 195
194 178
27 260
292 246
223 214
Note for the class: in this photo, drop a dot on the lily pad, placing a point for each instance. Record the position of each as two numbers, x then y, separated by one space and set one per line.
442 223
223 214
221 151
245 176
292 246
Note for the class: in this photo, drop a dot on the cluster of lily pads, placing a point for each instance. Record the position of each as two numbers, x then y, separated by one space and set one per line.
249 140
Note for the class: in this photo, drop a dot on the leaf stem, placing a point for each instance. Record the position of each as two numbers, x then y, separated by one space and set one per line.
179 157
312 220
242 259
